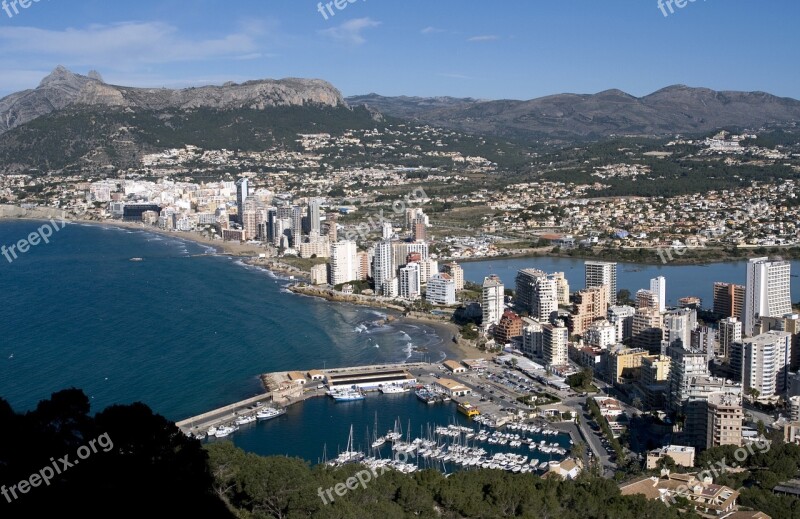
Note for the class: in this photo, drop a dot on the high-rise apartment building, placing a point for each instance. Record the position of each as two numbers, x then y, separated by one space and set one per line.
678 327
457 273
602 273
647 329
383 269
555 345
622 318
532 337
762 362
562 288
767 291
242 192
536 294
343 264
730 332
646 299
314 217
590 305
728 300
441 290
492 300
685 365
658 286
410 281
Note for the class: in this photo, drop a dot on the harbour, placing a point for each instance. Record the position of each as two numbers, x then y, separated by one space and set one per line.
408 426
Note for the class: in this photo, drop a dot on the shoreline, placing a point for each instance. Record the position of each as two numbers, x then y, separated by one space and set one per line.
676 260
250 255
252 252
444 329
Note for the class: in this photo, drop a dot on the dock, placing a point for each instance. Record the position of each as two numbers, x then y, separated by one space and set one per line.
284 388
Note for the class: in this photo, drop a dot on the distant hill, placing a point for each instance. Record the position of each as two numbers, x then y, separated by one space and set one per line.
409 107
64 89
76 123
675 109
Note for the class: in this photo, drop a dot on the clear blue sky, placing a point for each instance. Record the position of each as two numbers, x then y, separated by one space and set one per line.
517 49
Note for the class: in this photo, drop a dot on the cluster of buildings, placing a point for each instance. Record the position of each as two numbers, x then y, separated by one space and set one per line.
399 264
763 214
664 356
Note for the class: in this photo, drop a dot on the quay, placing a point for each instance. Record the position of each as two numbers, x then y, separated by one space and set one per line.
284 388
462 383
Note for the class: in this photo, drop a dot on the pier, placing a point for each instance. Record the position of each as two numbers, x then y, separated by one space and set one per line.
284 388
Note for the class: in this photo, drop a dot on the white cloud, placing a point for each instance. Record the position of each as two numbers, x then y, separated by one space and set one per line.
484 37
124 45
431 30
350 31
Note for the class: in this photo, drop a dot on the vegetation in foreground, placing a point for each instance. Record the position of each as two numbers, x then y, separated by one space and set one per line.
154 469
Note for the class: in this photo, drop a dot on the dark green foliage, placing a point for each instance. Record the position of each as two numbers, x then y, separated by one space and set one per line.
476 494
582 381
149 468
62 139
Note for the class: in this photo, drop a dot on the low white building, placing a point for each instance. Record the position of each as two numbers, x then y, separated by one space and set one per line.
441 290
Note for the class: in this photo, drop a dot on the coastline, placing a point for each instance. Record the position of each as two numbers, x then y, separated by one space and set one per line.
445 329
691 259
250 254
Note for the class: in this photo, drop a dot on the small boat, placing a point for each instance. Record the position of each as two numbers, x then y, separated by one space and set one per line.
346 395
468 409
224 431
244 420
393 389
136 259
377 443
427 396
212 431
269 413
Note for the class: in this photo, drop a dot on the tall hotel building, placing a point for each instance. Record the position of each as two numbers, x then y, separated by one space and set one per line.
602 273
344 266
658 286
762 362
728 299
492 300
537 294
242 192
383 272
767 291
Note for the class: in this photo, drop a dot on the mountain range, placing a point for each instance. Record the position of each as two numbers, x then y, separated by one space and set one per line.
62 89
673 110
72 122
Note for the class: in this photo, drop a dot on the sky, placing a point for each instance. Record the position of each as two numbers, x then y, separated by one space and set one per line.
512 49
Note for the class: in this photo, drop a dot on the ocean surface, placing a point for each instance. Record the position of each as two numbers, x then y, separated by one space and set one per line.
682 280
184 331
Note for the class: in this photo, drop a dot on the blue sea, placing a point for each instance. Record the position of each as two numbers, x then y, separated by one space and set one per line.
184 330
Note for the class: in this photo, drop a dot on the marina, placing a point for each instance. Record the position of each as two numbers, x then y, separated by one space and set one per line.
406 427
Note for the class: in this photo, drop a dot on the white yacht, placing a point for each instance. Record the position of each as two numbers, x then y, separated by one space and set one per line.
391 389
269 413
